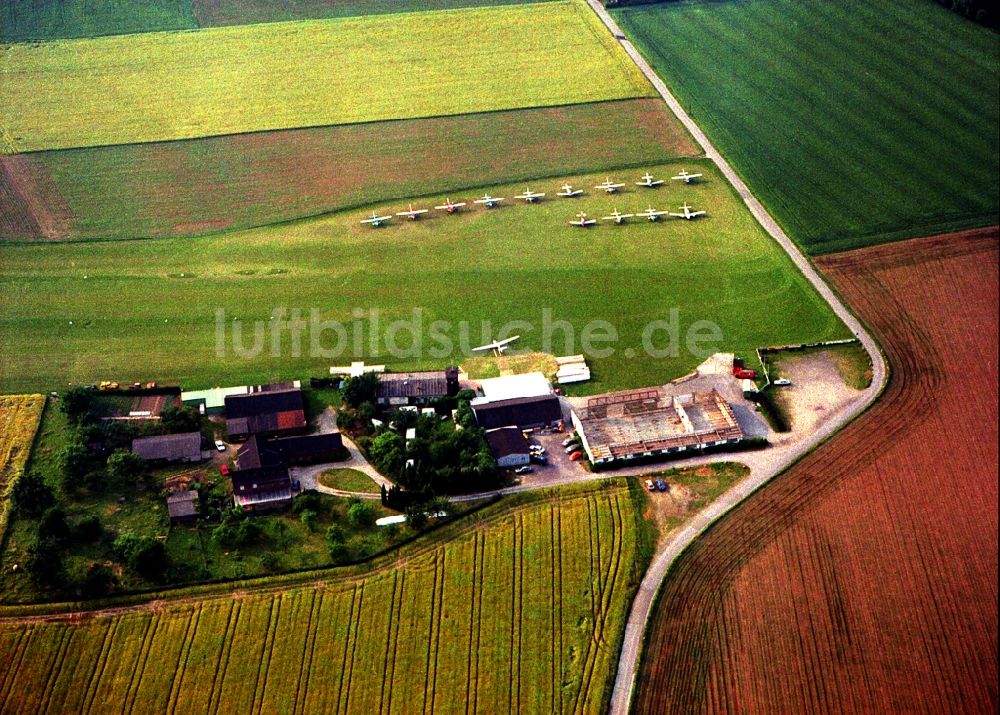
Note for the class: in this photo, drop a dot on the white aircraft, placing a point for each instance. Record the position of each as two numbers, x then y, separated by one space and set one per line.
450 206
489 201
648 180
412 214
652 214
688 213
497 346
617 216
529 196
375 221
685 176
609 186
582 221
569 192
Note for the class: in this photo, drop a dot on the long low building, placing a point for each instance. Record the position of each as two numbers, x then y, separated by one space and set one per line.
642 424
522 412
184 447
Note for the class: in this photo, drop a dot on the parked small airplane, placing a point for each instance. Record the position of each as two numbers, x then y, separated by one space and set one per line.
412 214
497 346
652 214
450 206
569 192
648 180
582 221
489 201
688 213
529 196
375 221
685 176
617 216
609 186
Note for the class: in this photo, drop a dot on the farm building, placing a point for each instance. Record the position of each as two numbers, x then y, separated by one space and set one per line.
267 410
185 447
509 446
135 405
521 412
646 423
211 402
183 506
309 449
511 387
414 388
261 480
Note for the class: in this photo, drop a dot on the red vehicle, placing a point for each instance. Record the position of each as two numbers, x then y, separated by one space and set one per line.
576 456
744 374
224 470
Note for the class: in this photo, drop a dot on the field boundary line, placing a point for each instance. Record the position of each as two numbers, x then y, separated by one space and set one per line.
642 605
135 681
56 668
219 676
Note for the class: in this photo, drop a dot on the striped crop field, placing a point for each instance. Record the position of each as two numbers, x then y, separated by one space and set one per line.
520 608
854 121
180 85
196 186
863 579
20 416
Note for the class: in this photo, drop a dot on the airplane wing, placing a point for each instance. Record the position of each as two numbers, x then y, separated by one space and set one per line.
500 343
491 346
697 213
411 213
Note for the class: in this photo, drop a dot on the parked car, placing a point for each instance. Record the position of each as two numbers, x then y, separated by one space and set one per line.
523 470
536 448
661 485
650 486
296 486
572 447
224 470
576 456
540 458
782 382
220 445
568 441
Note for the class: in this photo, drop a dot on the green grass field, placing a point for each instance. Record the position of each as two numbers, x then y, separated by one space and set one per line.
348 479
181 85
854 122
520 607
131 310
26 20
202 185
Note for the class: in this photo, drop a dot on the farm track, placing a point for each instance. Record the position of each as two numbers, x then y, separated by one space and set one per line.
876 550
355 644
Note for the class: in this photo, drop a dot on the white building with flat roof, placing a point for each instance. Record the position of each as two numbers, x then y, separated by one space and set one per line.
512 387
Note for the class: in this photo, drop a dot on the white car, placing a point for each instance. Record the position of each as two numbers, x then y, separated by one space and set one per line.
220 445
782 382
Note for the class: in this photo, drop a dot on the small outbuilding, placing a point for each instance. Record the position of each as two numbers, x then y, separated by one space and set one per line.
509 446
183 506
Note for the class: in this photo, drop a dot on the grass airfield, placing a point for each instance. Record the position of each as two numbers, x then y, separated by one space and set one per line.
147 309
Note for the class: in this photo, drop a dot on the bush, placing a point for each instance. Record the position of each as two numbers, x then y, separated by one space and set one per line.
308 518
270 562
75 462
88 529
98 581
149 560
236 530
416 517
45 563
76 403
339 553
53 526
31 496
334 534
361 515
358 390
125 465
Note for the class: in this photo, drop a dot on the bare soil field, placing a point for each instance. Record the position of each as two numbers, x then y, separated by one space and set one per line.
865 578
202 185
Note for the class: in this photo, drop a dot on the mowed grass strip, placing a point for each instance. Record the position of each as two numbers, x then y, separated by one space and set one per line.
142 310
20 416
467 620
164 86
855 122
203 185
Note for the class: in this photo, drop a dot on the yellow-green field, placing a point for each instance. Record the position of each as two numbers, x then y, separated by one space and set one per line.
19 419
179 85
518 609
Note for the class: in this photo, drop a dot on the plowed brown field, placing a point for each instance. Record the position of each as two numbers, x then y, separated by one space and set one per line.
865 578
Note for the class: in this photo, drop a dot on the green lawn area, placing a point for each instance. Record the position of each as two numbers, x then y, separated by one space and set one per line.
348 480
179 85
141 310
855 122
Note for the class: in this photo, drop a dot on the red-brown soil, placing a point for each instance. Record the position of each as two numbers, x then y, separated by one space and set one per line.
865 578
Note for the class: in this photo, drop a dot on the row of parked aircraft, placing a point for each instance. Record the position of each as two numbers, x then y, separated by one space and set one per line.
566 191
650 214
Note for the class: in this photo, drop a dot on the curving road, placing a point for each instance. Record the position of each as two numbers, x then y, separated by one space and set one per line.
642 606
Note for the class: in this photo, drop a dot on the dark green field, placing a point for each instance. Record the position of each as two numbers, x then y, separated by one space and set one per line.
131 310
202 185
23 20
854 122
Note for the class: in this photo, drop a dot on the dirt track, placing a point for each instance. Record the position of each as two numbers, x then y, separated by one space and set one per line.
864 579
